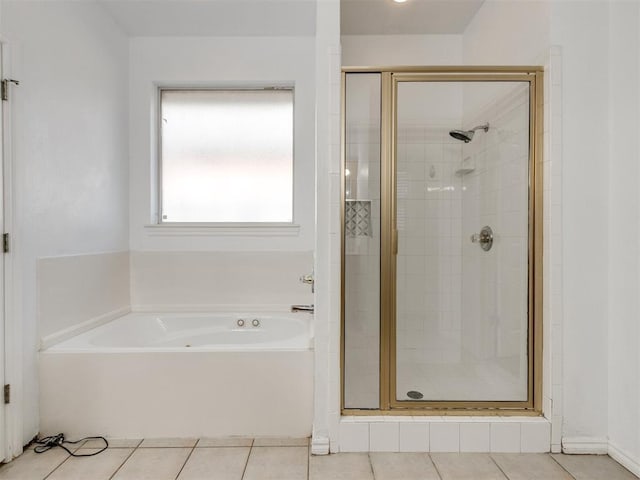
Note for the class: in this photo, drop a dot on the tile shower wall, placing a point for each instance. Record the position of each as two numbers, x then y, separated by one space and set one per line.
494 283
429 252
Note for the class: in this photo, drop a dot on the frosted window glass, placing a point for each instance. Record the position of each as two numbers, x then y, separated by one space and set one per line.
227 155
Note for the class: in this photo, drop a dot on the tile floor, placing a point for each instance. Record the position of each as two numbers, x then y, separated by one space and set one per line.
289 459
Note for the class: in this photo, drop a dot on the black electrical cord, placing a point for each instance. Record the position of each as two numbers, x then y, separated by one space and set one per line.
47 443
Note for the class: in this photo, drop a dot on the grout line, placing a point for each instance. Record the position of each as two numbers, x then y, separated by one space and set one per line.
56 468
167 446
124 461
373 474
187 459
561 466
434 466
248 456
499 467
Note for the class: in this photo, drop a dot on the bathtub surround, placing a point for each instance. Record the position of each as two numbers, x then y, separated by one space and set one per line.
177 394
181 375
79 292
213 281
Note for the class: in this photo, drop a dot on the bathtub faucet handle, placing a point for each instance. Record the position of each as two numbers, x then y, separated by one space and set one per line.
309 280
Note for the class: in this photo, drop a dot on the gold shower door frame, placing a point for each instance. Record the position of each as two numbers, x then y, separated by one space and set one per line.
390 78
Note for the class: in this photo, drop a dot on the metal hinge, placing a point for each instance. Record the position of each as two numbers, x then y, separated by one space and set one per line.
4 88
7 393
5 243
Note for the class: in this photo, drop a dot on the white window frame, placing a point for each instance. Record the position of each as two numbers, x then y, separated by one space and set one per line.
163 228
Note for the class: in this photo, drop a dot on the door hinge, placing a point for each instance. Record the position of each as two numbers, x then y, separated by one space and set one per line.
5 243
7 393
4 87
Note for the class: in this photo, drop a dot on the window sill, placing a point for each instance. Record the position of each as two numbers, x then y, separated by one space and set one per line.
224 229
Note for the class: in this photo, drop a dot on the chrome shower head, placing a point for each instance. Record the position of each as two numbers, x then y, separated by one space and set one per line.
462 135
467 135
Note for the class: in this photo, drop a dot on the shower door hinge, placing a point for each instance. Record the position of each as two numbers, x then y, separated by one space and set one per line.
5 243
7 393
4 87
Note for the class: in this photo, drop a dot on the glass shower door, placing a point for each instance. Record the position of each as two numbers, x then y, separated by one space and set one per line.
462 312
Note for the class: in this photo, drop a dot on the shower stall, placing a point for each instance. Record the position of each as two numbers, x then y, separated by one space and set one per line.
442 240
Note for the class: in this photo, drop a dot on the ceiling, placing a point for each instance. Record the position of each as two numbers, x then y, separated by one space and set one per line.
385 17
287 17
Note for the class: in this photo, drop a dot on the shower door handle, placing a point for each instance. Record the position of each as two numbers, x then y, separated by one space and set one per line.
394 242
484 238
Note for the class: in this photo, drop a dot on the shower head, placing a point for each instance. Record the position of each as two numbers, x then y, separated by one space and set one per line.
467 135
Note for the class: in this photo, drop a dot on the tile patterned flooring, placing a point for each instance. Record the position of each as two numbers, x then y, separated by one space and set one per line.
289 459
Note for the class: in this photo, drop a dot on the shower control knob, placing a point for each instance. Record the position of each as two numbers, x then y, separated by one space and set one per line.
255 322
240 322
484 238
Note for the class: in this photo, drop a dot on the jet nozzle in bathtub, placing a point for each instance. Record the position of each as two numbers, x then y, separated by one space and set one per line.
302 308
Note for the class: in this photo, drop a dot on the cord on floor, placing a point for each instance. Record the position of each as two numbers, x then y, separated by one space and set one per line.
47 443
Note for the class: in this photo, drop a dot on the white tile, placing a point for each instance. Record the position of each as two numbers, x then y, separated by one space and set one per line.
505 437
113 443
280 442
444 437
402 466
168 442
383 437
345 466
215 464
398 419
467 466
475 437
97 467
414 437
224 442
556 429
354 437
33 466
277 463
535 437
153 464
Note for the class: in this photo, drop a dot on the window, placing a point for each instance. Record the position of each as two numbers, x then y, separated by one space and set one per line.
226 156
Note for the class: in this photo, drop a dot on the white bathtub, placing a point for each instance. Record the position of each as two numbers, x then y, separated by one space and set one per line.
182 375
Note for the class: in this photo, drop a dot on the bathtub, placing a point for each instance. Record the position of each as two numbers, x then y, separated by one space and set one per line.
182 375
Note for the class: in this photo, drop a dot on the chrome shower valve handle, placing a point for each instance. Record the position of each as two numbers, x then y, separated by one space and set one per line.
309 280
484 238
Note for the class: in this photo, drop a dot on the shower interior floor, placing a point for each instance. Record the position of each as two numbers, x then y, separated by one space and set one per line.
472 380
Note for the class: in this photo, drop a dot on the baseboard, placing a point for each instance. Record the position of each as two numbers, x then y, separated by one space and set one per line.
625 459
319 445
585 445
87 325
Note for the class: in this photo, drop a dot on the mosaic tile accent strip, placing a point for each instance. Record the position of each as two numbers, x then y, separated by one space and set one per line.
358 218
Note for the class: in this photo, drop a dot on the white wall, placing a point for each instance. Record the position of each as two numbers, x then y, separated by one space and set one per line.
387 50
623 236
514 32
585 199
70 166
219 62
594 124
79 291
